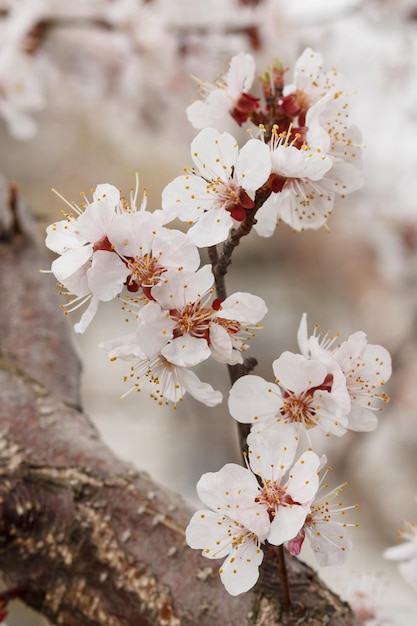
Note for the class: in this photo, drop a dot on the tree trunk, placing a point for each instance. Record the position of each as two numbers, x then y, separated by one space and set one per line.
85 538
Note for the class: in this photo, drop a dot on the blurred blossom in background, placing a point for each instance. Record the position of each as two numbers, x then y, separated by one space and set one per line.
97 92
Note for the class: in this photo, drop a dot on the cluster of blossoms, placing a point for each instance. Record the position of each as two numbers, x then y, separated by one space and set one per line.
108 248
273 500
333 388
304 153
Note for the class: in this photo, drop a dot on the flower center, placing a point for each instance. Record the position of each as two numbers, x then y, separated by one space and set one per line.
300 408
193 319
272 495
145 273
234 199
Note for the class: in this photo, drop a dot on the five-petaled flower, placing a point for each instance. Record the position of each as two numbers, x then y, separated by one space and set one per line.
325 526
307 393
182 326
366 368
110 245
247 511
222 187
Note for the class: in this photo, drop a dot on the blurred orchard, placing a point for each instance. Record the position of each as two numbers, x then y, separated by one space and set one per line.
96 92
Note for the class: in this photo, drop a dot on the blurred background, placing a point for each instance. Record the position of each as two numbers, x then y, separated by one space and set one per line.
97 92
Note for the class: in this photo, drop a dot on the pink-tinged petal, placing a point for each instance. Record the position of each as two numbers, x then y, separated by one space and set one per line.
252 399
343 178
297 374
94 222
232 491
186 351
77 283
303 481
272 451
240 571
221 346
107 193
361 419
289 161
175 249
330 415
125 347
294 545
87 316
187 197
308 65
155 329
208 531
203 392
243 307
377 366
302 337
350 349
253 165
71 261
317 136
106 275
267 217
214 153
241 74
177 289
210 112
212 228
62 236
287 522
303 204
329 543
132 234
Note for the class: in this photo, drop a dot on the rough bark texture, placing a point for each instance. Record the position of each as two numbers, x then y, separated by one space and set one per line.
85 538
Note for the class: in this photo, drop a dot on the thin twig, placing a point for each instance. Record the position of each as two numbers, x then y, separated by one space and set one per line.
283 574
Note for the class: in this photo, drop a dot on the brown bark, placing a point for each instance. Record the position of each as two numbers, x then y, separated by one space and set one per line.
85 538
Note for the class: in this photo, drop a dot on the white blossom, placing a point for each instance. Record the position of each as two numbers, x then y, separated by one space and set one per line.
244 513
202 328
366 368
221 188
318 157
227 97
325 527
88 267
307 393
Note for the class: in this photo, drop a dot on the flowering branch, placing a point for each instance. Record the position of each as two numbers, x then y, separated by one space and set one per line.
221 263
84 538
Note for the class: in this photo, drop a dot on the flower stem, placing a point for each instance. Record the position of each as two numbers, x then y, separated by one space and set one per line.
220 264
283 575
